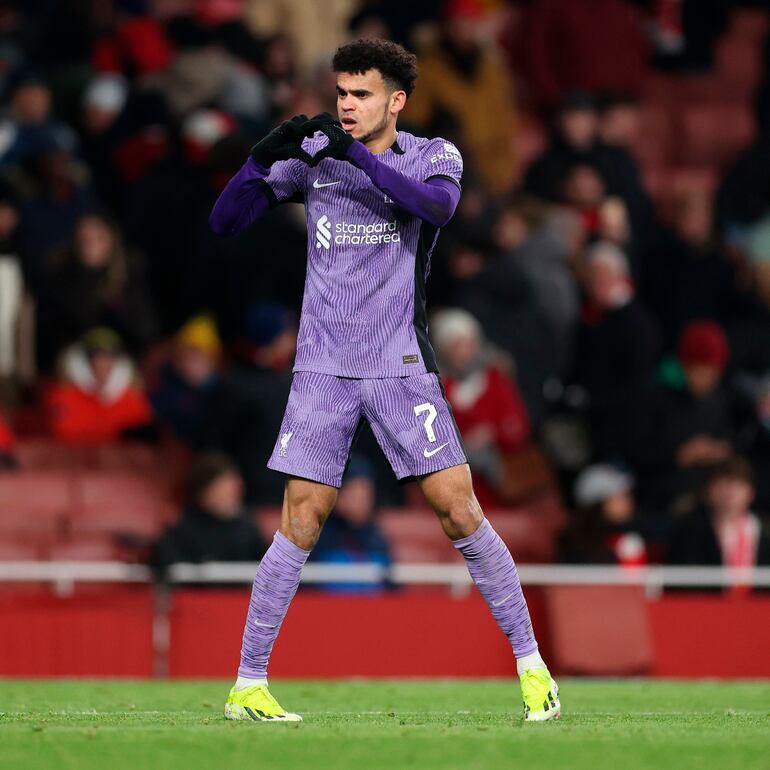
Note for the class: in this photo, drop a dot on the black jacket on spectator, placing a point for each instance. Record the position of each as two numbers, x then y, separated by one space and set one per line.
198 536
687 284
749 335
667 418
695 542
614 358
243 421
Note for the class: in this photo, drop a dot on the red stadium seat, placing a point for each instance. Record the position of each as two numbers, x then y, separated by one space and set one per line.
122 502
48 454
715 133
34 502
85 549
12 550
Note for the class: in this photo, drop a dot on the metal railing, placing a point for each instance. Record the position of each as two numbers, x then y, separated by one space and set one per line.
454 576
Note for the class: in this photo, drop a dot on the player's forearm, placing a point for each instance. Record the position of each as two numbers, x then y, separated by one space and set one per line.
242 201
433 201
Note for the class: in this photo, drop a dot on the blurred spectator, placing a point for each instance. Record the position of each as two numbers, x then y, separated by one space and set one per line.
29 128
756 439
688 275
688 423
485 401
103 128
591 45
684 33
94 282
616 349
724 531
576 151
98 398
606 528
750 326
466 94
529 242
351 534
214 525
55 192
137 46
497 293
187 381
7 445
244 417
619 120
11 284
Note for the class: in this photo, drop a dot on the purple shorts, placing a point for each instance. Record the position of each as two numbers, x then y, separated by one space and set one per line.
409 416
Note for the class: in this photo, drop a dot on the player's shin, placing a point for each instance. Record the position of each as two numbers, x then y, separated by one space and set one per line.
494 572
274 587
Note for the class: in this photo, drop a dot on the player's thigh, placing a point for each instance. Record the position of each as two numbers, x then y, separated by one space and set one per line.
321 418
413 423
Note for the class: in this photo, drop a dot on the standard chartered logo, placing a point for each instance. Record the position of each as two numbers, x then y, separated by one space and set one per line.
355 233
323 232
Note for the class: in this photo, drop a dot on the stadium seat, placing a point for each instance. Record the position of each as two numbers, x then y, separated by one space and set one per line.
599 630
715 133
122 502
84 549
34 502
48 454
13 550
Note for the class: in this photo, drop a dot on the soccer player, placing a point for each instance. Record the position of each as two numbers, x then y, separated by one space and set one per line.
375 198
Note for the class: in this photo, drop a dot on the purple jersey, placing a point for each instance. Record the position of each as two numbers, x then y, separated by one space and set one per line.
363 311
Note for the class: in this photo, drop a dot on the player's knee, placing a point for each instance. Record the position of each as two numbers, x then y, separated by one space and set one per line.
303 527
462 516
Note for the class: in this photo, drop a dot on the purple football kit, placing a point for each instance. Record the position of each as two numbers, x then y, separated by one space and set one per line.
363 351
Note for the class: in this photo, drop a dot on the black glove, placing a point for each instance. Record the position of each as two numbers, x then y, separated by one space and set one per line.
339 139
285 141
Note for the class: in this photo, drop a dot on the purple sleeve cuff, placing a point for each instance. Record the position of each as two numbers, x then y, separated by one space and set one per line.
433 201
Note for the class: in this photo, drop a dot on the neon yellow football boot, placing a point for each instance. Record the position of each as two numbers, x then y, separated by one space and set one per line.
540 694
258 705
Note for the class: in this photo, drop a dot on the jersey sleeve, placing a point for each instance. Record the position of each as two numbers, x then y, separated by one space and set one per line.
442 158
286 181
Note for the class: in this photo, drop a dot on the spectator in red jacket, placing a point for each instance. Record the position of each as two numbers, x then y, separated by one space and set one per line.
485 400
98 398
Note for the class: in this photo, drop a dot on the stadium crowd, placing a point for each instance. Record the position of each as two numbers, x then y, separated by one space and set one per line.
600 301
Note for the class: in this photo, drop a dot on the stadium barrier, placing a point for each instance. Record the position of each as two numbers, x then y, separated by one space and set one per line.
112 619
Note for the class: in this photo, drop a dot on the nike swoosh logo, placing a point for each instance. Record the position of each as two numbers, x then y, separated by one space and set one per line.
503 601
263 625
433 451
318 185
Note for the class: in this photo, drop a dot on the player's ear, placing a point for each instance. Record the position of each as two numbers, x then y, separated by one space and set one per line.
397 102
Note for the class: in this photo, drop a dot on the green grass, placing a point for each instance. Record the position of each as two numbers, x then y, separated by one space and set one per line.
396 725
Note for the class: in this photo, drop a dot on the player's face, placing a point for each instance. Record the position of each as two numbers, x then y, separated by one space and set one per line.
366 106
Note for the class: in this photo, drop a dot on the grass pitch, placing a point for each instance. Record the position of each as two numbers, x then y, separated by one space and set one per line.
366 725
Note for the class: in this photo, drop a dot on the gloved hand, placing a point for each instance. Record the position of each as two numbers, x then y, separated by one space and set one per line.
285 141
339 139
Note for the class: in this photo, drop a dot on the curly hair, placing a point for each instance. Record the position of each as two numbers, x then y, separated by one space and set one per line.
397 66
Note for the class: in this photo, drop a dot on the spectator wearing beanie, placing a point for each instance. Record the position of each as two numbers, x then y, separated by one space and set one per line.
688 423
606 528
98 398
188 379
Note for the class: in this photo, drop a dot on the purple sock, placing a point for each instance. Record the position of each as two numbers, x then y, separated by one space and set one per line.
274 587
492 569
